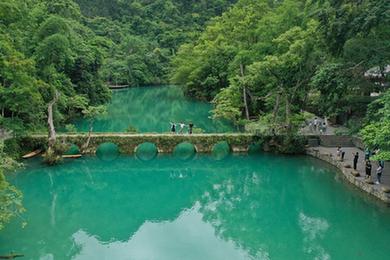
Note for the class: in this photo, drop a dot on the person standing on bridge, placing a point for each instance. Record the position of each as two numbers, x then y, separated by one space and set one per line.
173 128
182 125
190 127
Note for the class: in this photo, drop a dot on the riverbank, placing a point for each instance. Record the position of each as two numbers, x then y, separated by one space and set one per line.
355 177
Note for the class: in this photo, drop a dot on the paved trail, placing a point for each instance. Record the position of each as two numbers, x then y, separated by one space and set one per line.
348 159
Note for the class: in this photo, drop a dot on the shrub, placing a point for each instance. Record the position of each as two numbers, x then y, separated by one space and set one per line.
54 156
197 130
131 129
70 128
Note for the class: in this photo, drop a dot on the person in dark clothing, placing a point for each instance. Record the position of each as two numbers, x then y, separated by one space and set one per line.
368 169
173 128
355 160
190 127
342 156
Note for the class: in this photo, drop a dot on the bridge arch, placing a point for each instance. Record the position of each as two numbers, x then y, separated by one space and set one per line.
74 149
221 150
146 151
255 147
107 151
185 151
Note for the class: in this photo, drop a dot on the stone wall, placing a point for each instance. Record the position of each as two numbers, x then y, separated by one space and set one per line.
336 140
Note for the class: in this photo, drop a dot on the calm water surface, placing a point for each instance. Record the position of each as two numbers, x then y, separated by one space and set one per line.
242 207
151 109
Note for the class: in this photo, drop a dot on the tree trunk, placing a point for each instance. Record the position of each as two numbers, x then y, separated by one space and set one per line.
276 107
85 146
50 121
288 112
244 92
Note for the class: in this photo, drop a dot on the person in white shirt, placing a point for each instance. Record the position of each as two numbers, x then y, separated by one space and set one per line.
182 125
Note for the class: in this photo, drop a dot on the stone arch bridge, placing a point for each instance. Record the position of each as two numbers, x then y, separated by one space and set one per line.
165 143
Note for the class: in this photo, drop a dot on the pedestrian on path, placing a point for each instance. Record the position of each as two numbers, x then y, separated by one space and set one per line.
355 160
379 172
368 169
311 127
324 126
315 124
338 152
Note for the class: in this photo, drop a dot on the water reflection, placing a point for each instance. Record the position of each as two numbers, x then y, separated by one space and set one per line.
151 109
160 241
244 207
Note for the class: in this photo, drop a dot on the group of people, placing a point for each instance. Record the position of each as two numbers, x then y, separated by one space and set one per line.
379 170
317 125
368 164
181 127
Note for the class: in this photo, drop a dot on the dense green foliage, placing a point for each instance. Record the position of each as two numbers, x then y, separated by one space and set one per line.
142 36
287 56
376 134
79 47
45 48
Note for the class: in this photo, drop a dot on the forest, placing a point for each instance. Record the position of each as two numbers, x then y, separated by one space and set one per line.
274 60
264 64
49 46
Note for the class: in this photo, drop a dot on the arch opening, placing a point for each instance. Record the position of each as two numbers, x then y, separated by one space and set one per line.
73 150
255 148
146 151
107 151
184 151
221 150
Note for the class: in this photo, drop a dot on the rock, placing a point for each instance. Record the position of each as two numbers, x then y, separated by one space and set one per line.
266 147
355 173
369 181
348 166
386 189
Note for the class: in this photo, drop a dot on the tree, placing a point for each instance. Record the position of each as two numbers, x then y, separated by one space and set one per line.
376 133
227 104
91 113
285 74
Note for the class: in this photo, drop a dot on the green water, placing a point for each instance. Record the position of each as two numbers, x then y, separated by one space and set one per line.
151 109
243 207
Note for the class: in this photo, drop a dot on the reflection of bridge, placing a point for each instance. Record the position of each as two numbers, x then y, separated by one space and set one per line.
165 143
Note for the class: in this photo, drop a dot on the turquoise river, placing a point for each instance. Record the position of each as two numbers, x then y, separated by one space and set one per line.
174 207
151 109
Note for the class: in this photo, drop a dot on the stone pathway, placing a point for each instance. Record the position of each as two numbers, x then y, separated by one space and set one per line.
329 154
330 129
